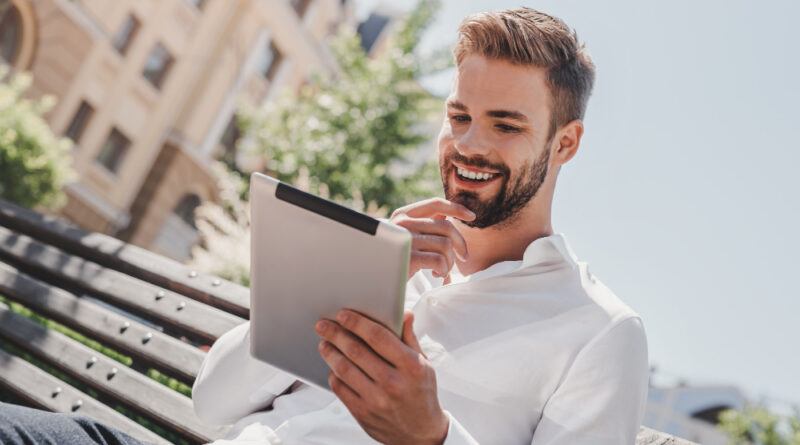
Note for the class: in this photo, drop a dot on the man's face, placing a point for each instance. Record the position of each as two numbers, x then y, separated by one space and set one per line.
494 147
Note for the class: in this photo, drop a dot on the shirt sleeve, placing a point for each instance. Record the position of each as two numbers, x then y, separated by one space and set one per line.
602 398
232 384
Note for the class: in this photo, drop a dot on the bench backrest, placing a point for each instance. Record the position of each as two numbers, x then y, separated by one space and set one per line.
87 321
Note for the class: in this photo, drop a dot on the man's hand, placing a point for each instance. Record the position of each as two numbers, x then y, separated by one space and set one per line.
387 383
435 242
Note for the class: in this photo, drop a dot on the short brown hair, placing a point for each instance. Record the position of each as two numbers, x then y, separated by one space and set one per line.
529 37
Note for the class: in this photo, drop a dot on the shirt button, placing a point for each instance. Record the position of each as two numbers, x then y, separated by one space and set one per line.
433 301
336 410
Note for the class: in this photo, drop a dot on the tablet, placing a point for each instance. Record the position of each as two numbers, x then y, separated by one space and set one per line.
310 258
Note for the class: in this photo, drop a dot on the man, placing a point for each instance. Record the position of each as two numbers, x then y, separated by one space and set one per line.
507 339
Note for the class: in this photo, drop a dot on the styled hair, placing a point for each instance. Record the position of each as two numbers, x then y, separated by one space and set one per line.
528 37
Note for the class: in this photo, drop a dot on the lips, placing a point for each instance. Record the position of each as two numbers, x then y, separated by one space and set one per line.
473 179
473 174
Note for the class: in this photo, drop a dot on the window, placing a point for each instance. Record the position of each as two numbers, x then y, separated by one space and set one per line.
10 34
198 3
300 6
79 121
179 233
185 209
270 61
157 65
113 151
125 34
228 141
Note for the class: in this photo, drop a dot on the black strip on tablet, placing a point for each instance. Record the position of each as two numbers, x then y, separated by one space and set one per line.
326 208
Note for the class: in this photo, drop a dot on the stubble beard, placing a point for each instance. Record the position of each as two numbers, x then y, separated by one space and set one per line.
509 201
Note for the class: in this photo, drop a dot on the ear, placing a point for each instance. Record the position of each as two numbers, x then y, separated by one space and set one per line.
566 143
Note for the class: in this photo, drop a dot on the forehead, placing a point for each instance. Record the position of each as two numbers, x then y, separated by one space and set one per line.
487 84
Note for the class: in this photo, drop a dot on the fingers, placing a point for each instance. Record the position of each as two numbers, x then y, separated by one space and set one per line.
437 207
436 227
379 338
430 260
342 391
409 337
433 252
344 369
353 348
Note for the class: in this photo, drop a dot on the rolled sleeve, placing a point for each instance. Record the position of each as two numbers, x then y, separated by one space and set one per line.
457 434
232 384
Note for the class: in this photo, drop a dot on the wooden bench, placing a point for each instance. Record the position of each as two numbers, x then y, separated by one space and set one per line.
156 313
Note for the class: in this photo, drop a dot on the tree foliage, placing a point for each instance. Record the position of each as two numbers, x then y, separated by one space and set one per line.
34 163
757 425
354 133
350 136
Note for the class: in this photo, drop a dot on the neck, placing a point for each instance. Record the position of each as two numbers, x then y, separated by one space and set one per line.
507 241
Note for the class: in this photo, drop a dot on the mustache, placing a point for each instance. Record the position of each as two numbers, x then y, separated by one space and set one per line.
477 162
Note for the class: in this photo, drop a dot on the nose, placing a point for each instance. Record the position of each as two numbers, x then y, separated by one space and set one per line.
472 143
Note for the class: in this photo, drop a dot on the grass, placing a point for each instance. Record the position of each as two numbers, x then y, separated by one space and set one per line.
154 374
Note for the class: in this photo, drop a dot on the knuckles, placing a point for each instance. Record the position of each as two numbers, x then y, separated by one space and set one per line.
341 367
393 386
417 367
381 403
354 351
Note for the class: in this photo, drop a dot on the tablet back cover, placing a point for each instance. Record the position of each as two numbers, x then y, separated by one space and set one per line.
309 259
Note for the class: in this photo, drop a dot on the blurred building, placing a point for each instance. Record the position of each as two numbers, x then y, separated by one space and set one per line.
691 412
147 90
375 29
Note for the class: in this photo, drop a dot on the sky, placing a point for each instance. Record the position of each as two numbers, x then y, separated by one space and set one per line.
683 195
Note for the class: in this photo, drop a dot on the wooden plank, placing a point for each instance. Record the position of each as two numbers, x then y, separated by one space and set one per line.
129 259
189 317
107 376
46 392
145 344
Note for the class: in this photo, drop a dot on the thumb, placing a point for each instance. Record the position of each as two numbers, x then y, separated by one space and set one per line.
409 338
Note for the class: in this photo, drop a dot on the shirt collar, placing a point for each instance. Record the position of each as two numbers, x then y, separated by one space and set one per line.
547 250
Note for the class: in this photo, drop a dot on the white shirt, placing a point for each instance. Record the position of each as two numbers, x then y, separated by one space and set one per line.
535 351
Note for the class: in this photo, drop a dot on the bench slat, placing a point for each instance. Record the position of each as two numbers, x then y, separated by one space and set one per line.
647 436
128 259
38 388
96 370
192 318
171 355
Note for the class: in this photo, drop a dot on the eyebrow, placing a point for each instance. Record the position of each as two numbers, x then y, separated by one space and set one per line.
503 114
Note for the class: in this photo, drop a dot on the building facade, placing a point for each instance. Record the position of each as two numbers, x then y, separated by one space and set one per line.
147 90
692 412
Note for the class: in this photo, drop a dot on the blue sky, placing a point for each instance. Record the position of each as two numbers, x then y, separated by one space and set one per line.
682 197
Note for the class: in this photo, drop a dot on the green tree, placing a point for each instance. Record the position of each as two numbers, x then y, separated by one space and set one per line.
34 163
757 425
353 133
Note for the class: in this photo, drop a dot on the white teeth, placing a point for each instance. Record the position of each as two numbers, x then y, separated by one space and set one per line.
481 176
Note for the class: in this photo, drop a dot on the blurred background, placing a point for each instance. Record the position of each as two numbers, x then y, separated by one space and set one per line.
143 120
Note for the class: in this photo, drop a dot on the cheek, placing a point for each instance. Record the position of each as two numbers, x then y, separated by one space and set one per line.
445 139
446 131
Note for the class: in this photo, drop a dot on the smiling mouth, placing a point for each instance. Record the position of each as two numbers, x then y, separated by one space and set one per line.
474 175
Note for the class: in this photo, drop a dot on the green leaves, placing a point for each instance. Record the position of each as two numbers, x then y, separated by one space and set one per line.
34 163
352 136
760 426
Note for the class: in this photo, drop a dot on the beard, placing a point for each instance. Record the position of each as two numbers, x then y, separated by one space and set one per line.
514 194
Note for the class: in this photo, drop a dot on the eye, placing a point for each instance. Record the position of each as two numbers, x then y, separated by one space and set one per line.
461 118
507 128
